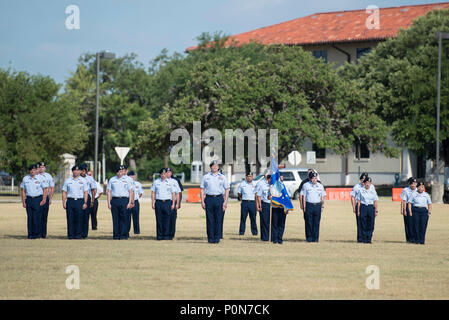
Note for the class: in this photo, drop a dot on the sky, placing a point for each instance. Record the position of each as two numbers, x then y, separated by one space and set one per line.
34 36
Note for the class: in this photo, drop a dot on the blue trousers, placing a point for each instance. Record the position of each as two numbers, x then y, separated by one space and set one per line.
420 220
214 217
409 227
74 212
34 217
248 207
135 217
120 217
221 221
312 218
45 209
163 212
265 222
93 214
172 223
85 219
277 224
367 217
359 228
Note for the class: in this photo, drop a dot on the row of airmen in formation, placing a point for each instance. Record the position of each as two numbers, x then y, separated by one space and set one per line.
80 195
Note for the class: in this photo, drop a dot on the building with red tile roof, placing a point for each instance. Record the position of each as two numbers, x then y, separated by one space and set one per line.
338 37
344 35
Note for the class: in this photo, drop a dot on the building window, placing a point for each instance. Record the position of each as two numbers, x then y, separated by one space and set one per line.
320 54
363 149
320 153
362 51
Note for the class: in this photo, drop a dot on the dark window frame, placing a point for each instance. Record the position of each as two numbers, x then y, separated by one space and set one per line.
365 153
320 54
320 153
362 51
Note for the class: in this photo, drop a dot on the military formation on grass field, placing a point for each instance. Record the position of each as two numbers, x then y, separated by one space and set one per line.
80 195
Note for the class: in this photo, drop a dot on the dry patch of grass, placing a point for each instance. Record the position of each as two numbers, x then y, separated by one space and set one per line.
240 267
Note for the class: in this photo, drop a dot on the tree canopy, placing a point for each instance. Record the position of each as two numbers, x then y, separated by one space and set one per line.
401 78
265 87
36 123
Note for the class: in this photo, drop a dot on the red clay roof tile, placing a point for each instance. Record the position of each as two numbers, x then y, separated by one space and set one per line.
337 27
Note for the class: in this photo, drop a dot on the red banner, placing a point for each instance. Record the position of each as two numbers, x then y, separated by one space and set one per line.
338 193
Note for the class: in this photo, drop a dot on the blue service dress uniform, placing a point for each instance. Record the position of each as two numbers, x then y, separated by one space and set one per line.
177 187
50 183
34 190
366 199
214 185
248 206
263 191
420 214
75 188
354 192
408 218
91 184
164 191
120 191
135 211
312 216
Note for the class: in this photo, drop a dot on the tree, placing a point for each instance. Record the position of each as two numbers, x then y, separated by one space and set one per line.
35 122
124 102
401 78
267 87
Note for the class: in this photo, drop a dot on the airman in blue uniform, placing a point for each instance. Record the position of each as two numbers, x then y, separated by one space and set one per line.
314 194
92 190
120 200
163 198
74 201
131 183
135 210
51 191
246 192
420 205
367 209
34 194
213 201
177 186
408 219
94 210
263 204
354 191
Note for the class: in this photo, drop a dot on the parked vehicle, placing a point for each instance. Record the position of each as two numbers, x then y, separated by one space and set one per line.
292 180
5 178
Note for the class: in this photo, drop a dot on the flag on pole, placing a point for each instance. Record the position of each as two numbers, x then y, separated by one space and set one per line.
279 194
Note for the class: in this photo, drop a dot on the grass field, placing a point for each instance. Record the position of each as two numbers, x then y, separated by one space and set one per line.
240 267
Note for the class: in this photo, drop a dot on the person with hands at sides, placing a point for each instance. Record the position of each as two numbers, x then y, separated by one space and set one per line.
408 219
314 194
246 193
367 209
163 198
420 206
34 197
51 191
354 192
74 201
214 200
120 201
263 204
